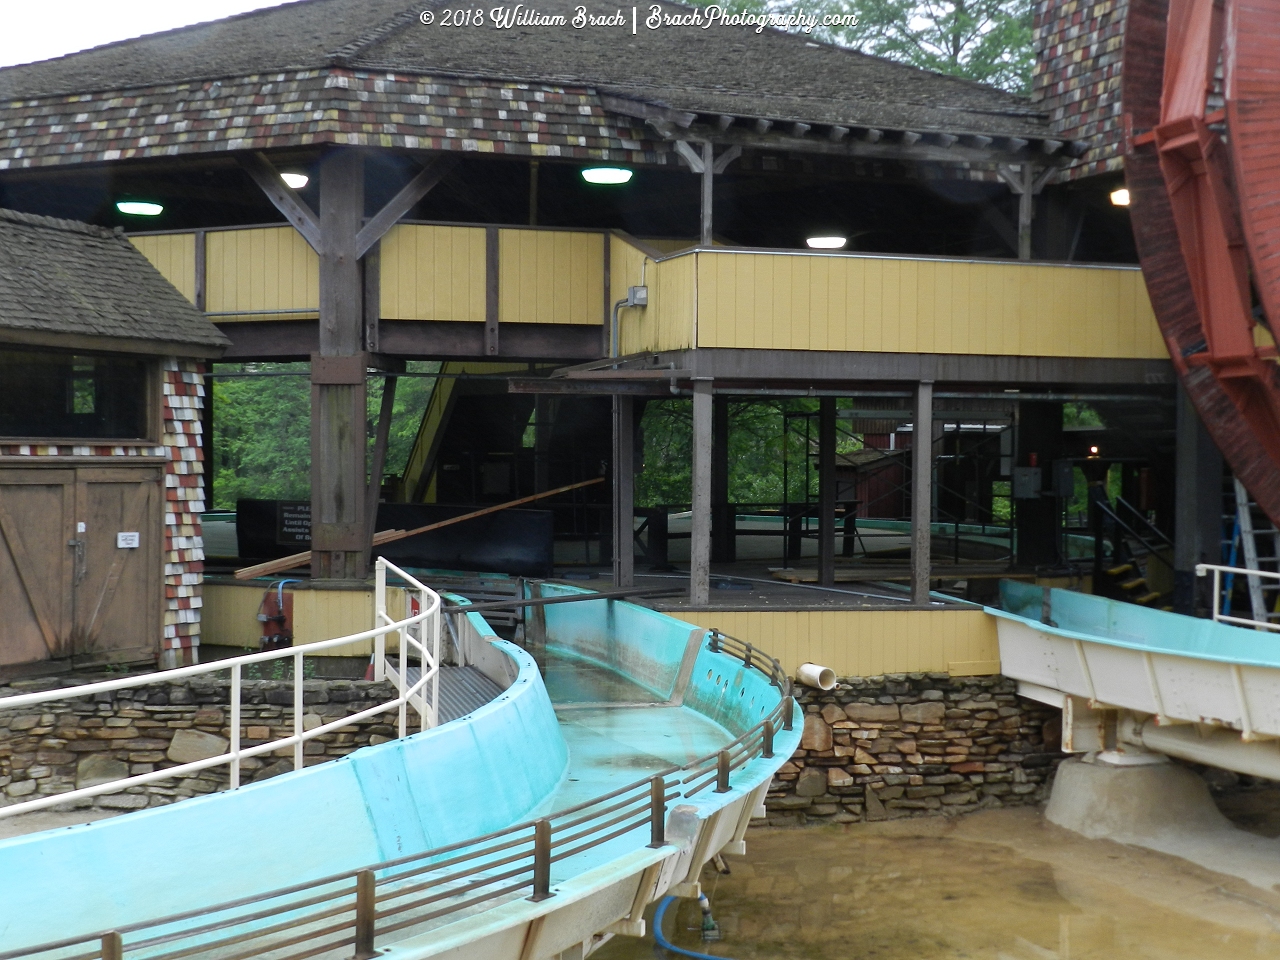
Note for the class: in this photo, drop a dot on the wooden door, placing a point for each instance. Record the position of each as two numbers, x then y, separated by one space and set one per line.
37 518
118 583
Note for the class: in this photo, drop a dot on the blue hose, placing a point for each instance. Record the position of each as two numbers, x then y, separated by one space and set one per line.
666 944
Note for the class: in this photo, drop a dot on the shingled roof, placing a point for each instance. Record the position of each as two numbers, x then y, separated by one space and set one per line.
60 278
732 71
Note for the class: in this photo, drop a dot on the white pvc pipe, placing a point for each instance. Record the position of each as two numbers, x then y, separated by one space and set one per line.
815 675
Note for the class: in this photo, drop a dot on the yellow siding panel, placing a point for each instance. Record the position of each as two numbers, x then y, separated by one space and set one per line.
229 616
903 305
865 643
550 276
262 269
433 273
174 255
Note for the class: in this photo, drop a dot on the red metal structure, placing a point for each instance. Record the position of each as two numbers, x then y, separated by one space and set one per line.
1204 184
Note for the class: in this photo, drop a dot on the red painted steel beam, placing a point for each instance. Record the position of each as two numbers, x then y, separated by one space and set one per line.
1191 230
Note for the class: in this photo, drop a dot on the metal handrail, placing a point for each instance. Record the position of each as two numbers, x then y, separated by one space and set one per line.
1218 615
554 837
1151 550
428 613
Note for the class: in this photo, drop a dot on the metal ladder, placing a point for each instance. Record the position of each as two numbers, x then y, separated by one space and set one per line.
1251 529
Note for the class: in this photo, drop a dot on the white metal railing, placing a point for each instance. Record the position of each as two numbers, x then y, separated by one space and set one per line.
420 630
1220 617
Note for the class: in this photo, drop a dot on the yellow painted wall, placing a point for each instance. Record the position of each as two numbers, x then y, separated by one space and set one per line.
265 268
229 616
866 643
433 273
824 302
174 255
667 323
550 276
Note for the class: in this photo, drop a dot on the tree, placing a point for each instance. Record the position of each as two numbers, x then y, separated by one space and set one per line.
984 40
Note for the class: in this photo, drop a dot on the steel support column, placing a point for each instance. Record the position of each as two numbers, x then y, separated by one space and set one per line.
700 532
1198 507
624 562
338 412
921 492
827 491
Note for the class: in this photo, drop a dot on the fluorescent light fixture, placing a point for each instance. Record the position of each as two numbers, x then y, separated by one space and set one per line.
606 175
295 180
140 208
827 243
1120 197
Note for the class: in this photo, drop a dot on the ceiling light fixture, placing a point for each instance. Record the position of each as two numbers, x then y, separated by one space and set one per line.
140 208
606 175
1120 197
295 180
827 243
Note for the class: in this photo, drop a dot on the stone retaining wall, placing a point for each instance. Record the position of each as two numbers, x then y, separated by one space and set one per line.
56 747
877 748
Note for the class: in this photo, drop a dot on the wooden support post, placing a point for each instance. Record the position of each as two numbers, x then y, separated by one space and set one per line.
491 291
533 193
723 534
827 491
921 492
366 915
379 454
371 281
541 860
338 413
700 532
708 191
1026 210
112 946
657 812
543 417
624 562
201 271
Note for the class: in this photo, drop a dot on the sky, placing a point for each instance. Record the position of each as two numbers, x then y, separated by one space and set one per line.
33 31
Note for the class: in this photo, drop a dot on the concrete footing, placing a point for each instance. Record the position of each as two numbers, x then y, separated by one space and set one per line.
1163 807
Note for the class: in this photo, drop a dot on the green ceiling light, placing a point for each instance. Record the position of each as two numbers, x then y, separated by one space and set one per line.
139 208
606 174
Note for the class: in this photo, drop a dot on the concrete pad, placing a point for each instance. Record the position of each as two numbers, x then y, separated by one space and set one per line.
1162 807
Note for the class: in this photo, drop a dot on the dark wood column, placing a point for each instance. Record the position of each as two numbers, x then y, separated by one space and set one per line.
723 546
922 492
827 491
338 415
624 566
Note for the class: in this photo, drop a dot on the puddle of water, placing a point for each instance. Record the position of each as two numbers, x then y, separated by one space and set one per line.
1001 885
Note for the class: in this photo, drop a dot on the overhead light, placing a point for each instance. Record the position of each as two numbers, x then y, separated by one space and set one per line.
1120 197
140 208
295 180
827 243
606 174
1093 452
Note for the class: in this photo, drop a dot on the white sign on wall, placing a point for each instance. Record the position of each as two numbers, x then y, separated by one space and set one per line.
127 541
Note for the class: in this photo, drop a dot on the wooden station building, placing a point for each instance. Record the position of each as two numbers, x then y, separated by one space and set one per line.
101 390
987 271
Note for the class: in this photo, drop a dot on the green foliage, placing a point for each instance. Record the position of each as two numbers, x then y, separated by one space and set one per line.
984 40
1080 415
262 435
757 450
262 429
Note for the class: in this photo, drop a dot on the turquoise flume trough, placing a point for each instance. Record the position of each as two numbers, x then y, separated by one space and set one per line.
650 693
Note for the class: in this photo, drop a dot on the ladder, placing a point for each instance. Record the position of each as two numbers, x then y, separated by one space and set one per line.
1254 544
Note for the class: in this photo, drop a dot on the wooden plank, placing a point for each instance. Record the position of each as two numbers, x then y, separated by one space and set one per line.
26 573
387 536
491 291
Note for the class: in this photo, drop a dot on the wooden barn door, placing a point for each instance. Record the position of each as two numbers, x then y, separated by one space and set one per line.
70 584
37 518
118 580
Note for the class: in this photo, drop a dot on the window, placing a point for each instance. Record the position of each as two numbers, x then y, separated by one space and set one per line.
54 395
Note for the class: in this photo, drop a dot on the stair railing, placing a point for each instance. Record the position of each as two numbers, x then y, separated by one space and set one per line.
1219 616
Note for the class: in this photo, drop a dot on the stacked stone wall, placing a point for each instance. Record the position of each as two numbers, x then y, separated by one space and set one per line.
909 745
53 748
